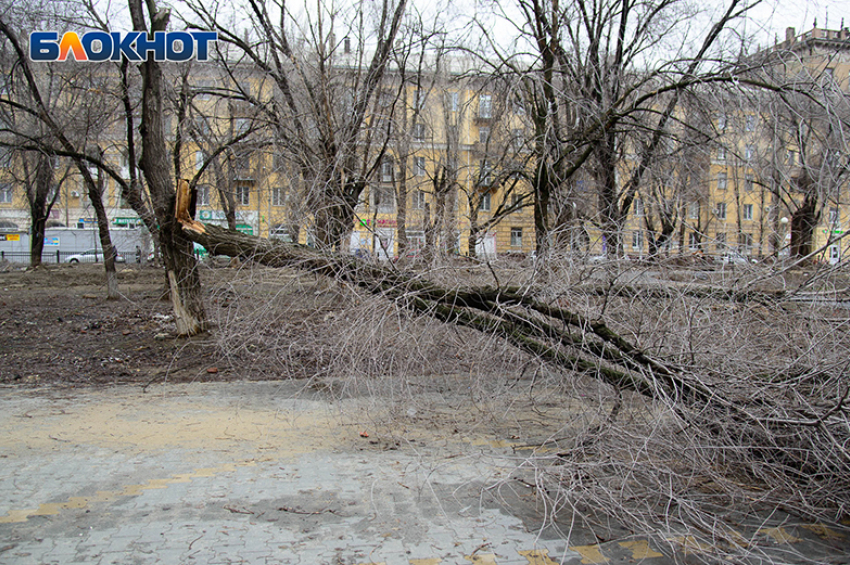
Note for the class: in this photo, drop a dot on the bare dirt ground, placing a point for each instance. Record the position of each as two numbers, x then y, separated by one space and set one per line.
56 327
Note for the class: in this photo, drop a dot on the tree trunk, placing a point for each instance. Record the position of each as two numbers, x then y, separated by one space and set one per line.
95 192
474 228
401 211
542 194
37 237
329 217
608 199
803 223
224 176
39 207
180 263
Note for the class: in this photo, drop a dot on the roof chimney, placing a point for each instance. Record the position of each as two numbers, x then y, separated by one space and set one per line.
790 34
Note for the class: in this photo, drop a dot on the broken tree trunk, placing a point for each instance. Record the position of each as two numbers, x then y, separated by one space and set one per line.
522 320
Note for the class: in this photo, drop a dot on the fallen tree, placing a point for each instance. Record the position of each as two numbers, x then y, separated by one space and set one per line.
794 436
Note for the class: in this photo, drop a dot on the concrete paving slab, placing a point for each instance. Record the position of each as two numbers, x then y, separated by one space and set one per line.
240 473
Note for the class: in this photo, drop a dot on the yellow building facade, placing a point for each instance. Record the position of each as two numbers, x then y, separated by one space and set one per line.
468 133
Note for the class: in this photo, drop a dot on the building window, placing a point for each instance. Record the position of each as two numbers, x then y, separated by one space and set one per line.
243 195
123 201
693 211
415 242
282 232
485 106
721 122
452 101
748 182
278 196
791 158
382 126
202 127
199 160
750 123
516 237
387 170
721 154
203 195
639 207
637 240
749 152
693 241
418 200
241 125
419 166
483 135
517 139
745 243
418 99
518 105
6 193
748 212
720 242
452 134
485 173
203 87
484 203
721 180
452 165
720 210
419 131
834 219
383 199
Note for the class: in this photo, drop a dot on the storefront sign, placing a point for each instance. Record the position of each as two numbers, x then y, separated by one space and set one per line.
381 223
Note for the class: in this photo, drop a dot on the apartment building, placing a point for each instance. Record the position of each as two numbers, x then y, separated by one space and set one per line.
448 159
778 165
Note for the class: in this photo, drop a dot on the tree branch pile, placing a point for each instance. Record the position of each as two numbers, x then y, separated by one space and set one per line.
790 427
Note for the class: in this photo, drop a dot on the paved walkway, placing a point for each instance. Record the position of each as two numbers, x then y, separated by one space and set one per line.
242 473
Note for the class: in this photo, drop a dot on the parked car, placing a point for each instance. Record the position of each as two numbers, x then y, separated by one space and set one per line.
734 259
92 256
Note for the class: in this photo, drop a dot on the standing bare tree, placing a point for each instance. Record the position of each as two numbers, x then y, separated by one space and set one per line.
50 114
180 263
805 128
602 72
42 193
322 83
